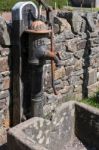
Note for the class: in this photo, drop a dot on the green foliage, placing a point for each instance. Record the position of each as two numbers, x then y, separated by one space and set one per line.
59 3
93 101
6 5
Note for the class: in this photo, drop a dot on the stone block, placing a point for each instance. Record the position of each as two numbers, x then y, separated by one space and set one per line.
56 28
71 45
66 89
83 35
65 83
5 51
94 42
63 24
69 70
77 73
4 66
59 73
93 34
93 88
3 136
6 83
78 88
5 73
70 62
75 44
94 62
59 86
92 77
78 23
60 47
78 65
68 34
2 103
56 82
4 94
79 54
60 38
94 51
75 80
90 22
4 35
65 55
77 96
81 44
49 90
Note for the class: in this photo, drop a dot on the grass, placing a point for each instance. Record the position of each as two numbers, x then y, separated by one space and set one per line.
8 4
93 101
70 8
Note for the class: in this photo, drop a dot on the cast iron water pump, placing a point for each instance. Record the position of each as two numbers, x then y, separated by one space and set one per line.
29 54
38 53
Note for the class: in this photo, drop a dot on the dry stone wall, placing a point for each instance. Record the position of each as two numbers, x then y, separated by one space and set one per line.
77 41
5 79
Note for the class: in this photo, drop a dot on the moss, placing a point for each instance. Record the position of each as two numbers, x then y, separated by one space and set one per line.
93 101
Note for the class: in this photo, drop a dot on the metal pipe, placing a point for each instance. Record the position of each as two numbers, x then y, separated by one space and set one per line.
52 63
47 8
37 96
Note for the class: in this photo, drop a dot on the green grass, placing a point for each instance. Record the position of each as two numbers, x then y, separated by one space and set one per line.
93 101
70 8
6 5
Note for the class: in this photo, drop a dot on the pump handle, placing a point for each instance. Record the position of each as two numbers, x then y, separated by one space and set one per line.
52 62
47 8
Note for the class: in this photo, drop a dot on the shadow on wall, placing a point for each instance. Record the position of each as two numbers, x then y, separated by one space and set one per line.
86 57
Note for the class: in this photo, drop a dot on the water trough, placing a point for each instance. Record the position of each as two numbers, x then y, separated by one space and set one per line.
74 126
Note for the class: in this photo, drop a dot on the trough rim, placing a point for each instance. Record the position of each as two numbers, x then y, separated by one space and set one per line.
18 131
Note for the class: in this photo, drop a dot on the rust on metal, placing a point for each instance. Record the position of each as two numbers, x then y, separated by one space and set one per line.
52 62
38 32
38 27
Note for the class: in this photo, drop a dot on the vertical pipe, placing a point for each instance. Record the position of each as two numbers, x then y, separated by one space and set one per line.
52 63
37 96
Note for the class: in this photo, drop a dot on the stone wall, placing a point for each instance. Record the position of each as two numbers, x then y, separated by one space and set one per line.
77 41
5 78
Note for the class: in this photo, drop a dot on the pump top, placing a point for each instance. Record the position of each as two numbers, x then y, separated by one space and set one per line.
38 27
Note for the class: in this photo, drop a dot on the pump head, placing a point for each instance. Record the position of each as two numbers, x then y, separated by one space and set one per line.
38 27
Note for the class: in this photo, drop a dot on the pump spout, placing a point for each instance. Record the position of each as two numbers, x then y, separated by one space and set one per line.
52 56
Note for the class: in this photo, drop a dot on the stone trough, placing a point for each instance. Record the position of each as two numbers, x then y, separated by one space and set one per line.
74 126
